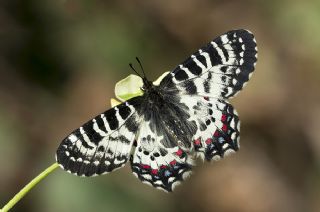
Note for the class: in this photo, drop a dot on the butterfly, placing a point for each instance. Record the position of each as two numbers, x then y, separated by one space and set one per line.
161 132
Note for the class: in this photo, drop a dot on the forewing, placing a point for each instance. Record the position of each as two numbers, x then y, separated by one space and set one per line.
220 69
156 165
103 143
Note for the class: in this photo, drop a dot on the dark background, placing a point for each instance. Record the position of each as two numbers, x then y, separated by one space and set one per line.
60 60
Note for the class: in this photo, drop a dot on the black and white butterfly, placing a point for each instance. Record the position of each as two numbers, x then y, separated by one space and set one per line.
161 132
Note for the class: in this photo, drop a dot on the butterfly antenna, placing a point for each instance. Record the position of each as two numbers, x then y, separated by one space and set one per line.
144 74
131 66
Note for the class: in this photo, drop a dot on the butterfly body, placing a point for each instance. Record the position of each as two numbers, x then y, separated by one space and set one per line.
161 132
167 117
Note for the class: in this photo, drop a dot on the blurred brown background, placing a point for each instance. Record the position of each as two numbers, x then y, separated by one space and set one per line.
59 61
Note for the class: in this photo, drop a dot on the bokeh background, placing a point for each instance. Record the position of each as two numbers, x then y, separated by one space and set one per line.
59 61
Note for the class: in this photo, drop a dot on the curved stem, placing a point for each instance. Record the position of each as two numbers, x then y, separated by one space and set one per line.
28 187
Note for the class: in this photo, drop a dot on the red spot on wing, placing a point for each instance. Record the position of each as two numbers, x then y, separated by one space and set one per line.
209 141
206 98
154 171
163 167
224 128
172 163
145 166
179 152
216 133
197 142
223 117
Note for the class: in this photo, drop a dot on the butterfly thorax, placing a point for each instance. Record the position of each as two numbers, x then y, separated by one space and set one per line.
167 117
153 96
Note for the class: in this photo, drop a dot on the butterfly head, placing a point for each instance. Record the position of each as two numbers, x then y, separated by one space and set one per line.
147 85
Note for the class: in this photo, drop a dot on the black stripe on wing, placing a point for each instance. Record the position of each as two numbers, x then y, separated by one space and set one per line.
230 59
103 143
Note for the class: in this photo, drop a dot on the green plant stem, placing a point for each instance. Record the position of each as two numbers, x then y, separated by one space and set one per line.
28 187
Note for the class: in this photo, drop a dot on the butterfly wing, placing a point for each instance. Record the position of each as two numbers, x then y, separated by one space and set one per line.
157 165
218 126
199 87
220 69
205 81
103 143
